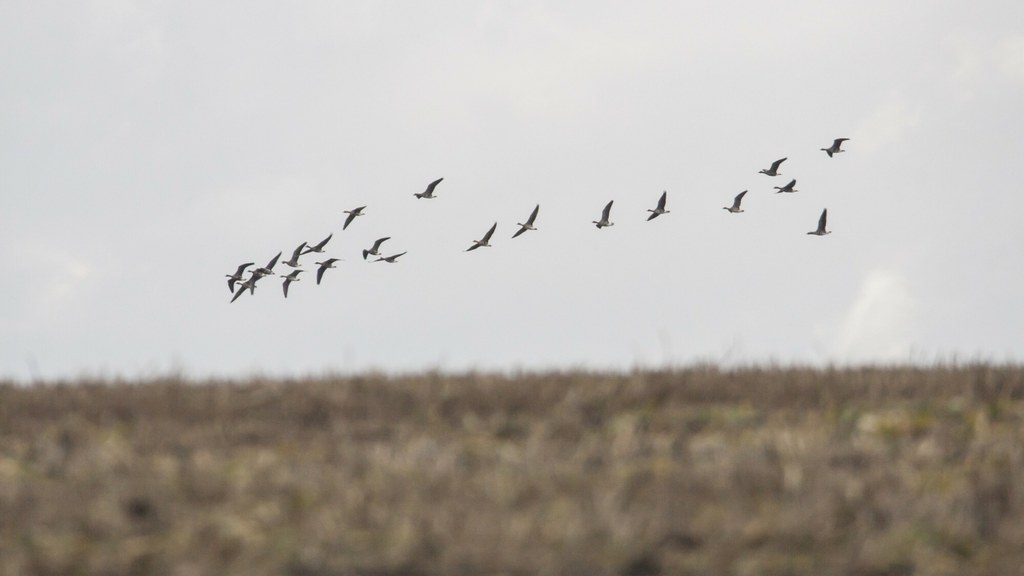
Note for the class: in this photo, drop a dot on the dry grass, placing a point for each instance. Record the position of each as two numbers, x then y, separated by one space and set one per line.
751 472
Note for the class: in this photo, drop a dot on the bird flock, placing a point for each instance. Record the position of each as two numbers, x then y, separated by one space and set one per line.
239 284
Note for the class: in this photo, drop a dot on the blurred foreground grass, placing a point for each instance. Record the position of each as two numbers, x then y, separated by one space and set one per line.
877 472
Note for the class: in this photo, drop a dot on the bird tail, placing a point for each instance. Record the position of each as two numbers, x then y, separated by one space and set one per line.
365 253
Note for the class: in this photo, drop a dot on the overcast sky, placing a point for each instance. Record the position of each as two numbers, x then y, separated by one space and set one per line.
148 148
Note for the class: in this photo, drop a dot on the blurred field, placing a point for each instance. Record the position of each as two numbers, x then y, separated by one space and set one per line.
749 472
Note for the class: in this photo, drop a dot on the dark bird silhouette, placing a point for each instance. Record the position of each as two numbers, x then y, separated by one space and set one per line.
323 266
774 170
269 268
528 225
660 208
821 224
390 259
835 147
429 192
375 249
319 247
352 215
605 214
293 277
483 241
735 208
237 276
788 188
294 261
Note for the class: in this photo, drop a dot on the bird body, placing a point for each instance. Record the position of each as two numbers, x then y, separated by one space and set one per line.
835 148
605 215
774 170
788 188
735 208
660 209
485 241
375 249
323 266
288 279
249 284
429 192
821 224
528 225
352 215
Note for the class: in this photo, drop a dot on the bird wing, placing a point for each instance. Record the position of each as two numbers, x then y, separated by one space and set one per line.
239 293
739 198
379 241
320 272
839 142
351 216
473 247
242 268
231 284
487 237
324 241
791 184
822 220
607 211
533 215
652 216
284 286
777 163
520 231
395 257
298 252
661 201
431 186
273 262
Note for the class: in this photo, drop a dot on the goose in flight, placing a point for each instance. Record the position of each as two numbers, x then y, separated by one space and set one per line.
294 261
389 259
661 207
237 276
323 266
835 147
788 188
249 284
352 215
484 241
375 250
735 208
821 224
774 170
269 268
429 192
288 279
528 225
319 247
604 217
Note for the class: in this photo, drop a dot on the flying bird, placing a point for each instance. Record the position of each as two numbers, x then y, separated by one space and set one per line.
389 259
821 224
484 241
269 268
529 222
249 284
660 209
319 247
774 170
788 188
429 192
293 277
375 250
352 215
735 208
294 261
604 217
323 266
237 276
835 147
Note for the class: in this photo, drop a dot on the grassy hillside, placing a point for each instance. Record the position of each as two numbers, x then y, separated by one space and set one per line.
749 472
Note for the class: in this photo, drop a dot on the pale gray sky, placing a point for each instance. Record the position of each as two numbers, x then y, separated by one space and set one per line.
148 148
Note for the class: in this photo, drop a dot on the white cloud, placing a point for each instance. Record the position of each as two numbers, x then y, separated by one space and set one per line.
879 324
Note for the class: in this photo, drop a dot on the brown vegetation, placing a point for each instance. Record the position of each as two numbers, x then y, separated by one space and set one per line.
875 472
